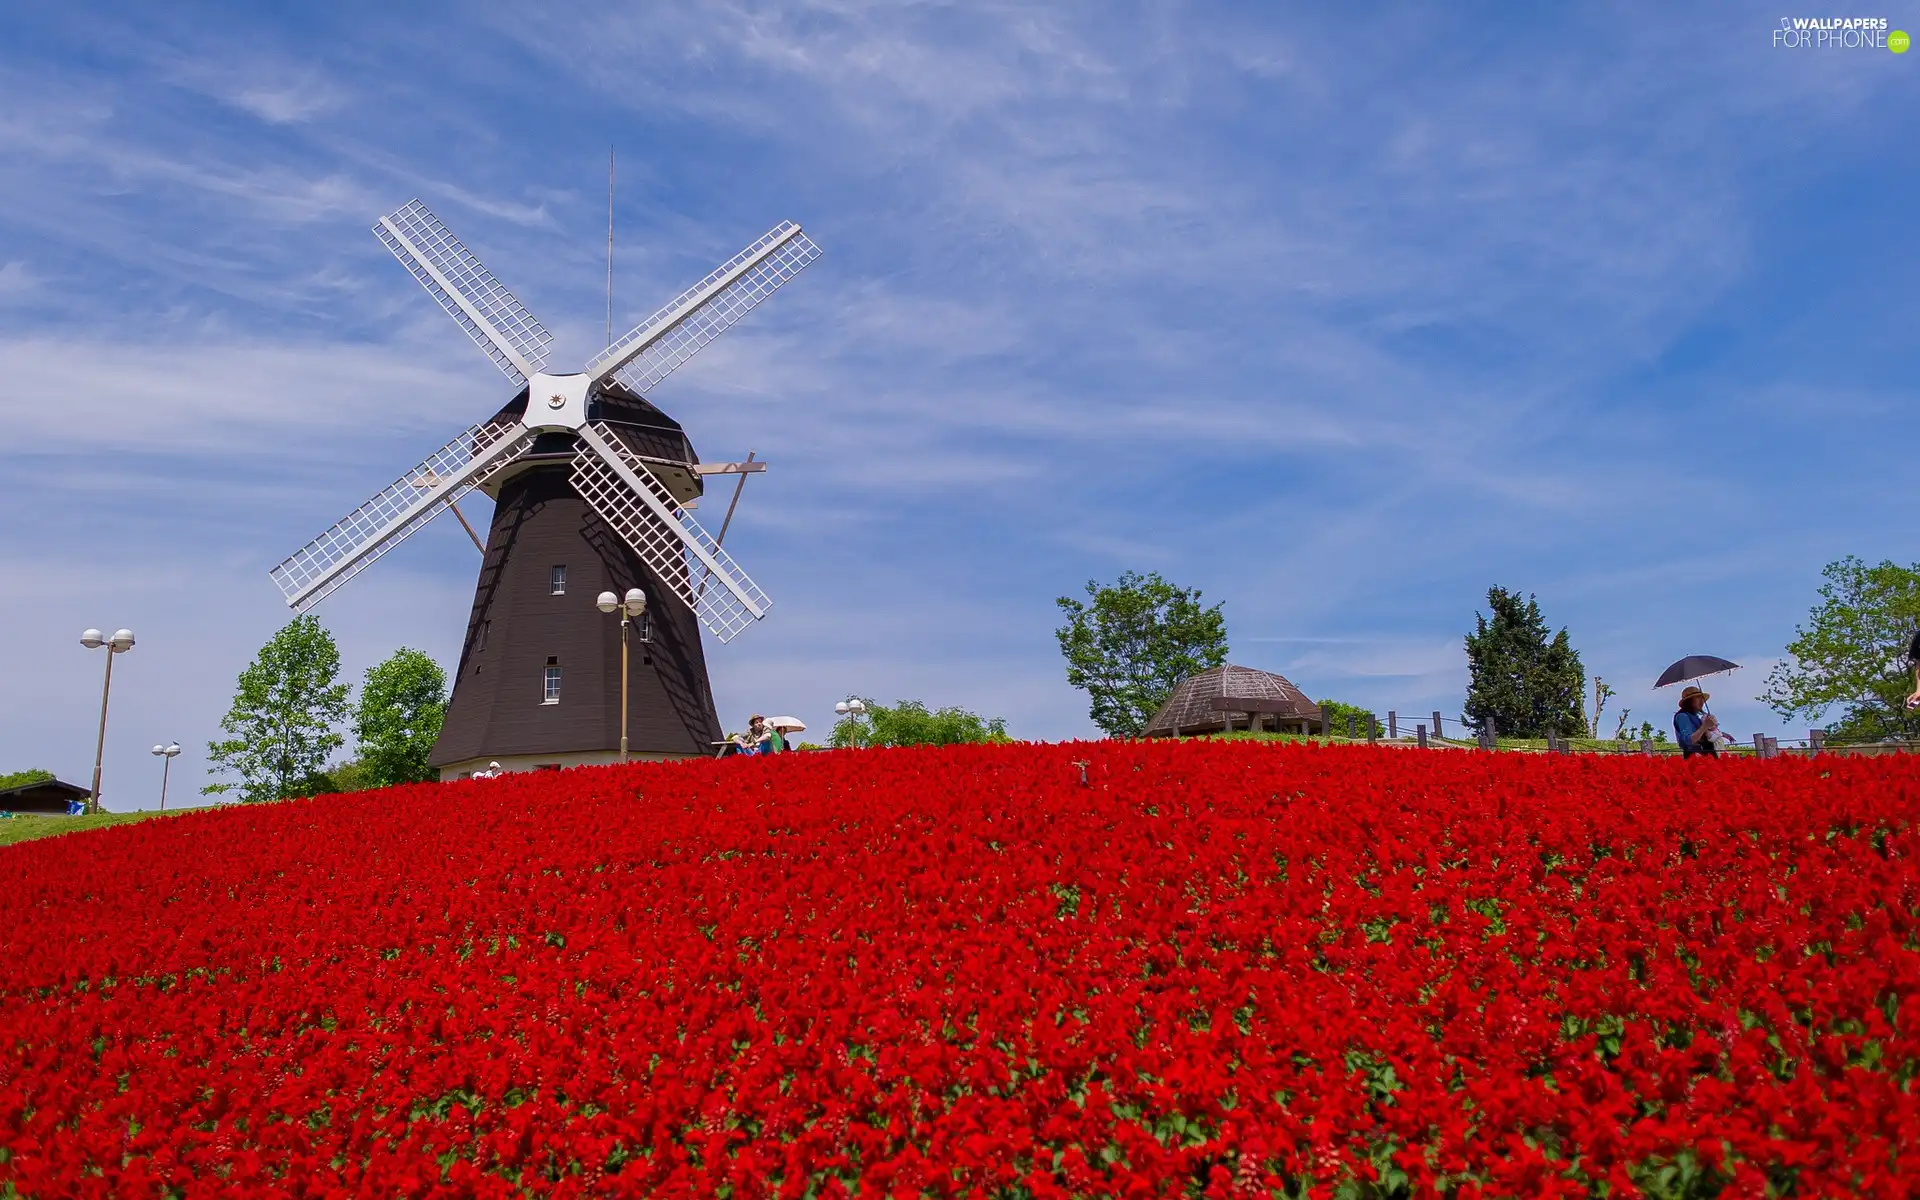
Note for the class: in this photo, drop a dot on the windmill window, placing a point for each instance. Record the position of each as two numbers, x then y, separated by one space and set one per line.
552 684
557 586
486 627
643 626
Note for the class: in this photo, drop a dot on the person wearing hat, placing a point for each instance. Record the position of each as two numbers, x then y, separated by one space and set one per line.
761 738
1694 727
772 741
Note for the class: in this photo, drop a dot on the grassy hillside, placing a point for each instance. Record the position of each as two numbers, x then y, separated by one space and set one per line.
27 828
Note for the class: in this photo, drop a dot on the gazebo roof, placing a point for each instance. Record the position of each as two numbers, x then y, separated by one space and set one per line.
1199 700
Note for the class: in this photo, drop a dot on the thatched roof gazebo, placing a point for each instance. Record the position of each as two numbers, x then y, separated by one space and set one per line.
1229 697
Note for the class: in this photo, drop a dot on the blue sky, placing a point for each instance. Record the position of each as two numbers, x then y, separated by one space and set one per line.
1340 319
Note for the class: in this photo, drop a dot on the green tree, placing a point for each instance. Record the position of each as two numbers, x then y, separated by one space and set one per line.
1531 684
1337 714
909 723
284 718
1133 642
348 775
1851 654
402 703
23 778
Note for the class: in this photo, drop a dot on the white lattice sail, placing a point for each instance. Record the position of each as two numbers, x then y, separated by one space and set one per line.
656 347
482 306
644 513
395 512
616 484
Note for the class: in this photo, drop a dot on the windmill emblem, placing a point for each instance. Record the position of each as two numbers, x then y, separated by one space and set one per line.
594 488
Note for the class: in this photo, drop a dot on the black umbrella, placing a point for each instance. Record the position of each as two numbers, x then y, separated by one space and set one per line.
1693 666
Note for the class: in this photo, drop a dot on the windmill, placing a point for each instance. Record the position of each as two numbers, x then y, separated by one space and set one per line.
592 487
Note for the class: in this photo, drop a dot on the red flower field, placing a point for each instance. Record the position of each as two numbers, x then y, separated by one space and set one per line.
1214 969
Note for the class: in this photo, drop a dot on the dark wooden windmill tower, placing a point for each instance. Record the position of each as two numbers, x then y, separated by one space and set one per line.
592 487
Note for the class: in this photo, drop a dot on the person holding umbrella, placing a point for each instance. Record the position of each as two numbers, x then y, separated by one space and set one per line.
1694 727
786 727
1913 657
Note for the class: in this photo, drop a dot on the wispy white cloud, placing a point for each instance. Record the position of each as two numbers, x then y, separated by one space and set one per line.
278 92
90 138
235 396
17 280
300 101
1339 328
1395 659
518 214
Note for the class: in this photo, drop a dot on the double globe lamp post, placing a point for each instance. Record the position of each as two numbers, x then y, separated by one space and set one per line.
634 603
166 753
119 643
852 708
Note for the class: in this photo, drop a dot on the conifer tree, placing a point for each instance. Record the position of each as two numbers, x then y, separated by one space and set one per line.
1531 683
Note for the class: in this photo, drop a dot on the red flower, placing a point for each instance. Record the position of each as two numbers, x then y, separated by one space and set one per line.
1223 967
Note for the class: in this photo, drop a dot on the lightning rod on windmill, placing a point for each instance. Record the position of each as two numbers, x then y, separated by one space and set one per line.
609 245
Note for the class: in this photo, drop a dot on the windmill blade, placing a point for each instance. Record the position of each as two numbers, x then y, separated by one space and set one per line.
656 347
397 511
667 538
496 321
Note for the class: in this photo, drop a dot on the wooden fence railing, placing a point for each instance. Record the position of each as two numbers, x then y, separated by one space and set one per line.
1423 735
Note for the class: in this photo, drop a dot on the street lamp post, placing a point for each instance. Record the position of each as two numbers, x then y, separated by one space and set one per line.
853 707
629 607
119 643
167 754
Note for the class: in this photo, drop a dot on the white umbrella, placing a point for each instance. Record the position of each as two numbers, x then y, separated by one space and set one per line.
787 724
